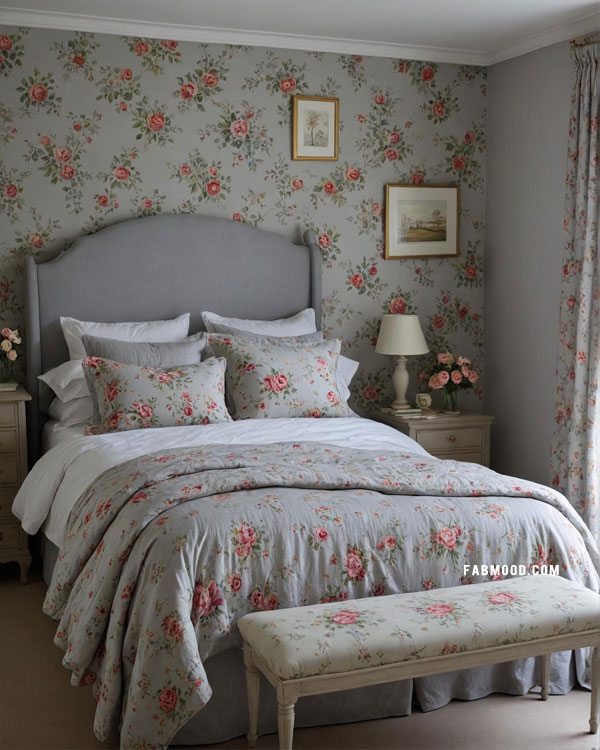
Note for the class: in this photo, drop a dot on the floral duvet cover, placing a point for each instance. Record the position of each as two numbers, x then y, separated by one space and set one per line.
166 552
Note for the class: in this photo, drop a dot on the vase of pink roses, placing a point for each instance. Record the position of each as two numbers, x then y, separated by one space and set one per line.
451 375
10 342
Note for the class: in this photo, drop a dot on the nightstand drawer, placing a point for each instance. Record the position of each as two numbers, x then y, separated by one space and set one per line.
8 415
9 471
10 536
472 457
6 501
8 441
450 439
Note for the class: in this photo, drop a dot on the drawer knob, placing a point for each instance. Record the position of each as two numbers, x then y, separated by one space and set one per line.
451 438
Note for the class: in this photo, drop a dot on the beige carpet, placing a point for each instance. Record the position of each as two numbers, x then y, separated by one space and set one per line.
39 710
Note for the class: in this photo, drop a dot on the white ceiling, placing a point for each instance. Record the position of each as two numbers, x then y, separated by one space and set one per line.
467 31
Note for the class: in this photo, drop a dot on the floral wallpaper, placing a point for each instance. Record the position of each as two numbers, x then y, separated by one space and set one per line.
97 128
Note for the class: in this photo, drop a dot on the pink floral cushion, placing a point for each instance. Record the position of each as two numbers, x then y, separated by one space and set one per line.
129 397
269 379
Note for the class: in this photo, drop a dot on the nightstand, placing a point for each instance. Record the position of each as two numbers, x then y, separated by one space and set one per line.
461 437
14 545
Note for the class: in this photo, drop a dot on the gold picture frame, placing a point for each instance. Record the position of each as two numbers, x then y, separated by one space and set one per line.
421 221
319 124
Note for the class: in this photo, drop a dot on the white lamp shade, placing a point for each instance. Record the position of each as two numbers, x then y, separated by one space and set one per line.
401 335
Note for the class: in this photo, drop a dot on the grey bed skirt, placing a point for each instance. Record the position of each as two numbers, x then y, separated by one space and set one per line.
225 716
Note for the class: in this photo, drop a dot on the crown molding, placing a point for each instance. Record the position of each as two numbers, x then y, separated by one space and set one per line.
184 33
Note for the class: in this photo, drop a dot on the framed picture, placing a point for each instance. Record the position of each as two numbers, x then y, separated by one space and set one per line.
421 221
316 125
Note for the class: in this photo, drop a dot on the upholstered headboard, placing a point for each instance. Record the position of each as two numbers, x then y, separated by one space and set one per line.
157 268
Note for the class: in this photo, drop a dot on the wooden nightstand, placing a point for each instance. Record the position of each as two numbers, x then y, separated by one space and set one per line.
14 545
463 437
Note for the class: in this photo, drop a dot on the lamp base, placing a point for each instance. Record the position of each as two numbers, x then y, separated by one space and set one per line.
401 406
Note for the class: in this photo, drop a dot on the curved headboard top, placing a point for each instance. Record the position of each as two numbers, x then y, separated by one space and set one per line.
159 267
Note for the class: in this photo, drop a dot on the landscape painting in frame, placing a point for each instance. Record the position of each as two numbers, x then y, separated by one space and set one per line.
421 221
315 124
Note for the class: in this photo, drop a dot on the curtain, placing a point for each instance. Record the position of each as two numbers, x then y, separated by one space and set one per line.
576 440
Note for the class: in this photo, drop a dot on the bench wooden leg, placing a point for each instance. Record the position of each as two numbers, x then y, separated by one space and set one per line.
545 675
253 688
595 691
285 720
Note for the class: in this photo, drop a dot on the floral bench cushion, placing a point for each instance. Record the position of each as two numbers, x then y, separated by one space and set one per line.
344 636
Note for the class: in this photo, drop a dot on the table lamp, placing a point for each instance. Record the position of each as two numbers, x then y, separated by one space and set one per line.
401 336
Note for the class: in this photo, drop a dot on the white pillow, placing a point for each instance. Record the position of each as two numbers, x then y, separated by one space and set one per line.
67 380
297 325
346 370
76 411
155 331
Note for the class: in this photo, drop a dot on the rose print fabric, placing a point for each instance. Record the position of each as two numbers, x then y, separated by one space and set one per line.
576 445
340 637
166 552
128 397
266 379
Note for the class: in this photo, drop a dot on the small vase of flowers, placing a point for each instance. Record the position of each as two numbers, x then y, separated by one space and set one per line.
9 351
451 375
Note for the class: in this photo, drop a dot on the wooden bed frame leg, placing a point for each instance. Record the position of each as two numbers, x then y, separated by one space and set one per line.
545 675
253 688
595 691
285 721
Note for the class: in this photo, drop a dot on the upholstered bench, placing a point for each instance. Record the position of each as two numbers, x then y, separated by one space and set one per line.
344 645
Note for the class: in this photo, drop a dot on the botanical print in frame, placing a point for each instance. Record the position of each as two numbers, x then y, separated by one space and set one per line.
315 128
421 221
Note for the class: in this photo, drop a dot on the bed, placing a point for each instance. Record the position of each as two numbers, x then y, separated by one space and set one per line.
409 520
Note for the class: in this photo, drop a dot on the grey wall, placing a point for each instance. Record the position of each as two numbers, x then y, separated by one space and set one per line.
529 100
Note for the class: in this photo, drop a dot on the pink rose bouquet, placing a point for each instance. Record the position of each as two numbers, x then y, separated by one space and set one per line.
451 374
9 351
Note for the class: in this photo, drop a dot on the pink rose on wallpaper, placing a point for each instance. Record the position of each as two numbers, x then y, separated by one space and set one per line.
11 191
469 137
62 155
345 617
210 80
438 109
373 271
357 58
237 217
456 377
463 312
503 597
321 534
213 171
168 700
78 60
447 537
256 598
156 122
324 241
126 74
38 93
288 85
5 42
357 280
239 128
370 393
438 321
427 74
67 172
397 306
470 272
329 188
459 162
170 44
417 178
36 240
376 209
352 174
235 582
213 187
439 609
185 170
402 67
141 48
77 126
121 172
103 200
379 99
354 566
146 204
123 106
145 411
297 183
394 137
45 141
188 90
391 154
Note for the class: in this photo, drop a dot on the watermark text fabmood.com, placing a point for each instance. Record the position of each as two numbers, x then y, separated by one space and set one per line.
497 571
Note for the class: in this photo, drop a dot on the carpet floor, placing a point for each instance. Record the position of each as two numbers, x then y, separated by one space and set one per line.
39 710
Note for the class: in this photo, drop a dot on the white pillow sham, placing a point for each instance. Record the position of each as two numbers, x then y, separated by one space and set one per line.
76 411
296 325
155 331
346 370
66 380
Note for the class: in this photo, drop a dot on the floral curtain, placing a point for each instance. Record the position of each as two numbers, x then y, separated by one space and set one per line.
576 445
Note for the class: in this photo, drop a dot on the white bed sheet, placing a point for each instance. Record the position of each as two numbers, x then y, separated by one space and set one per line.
57 480
53 433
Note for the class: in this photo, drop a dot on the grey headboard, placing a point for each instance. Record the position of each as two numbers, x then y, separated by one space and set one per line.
159 267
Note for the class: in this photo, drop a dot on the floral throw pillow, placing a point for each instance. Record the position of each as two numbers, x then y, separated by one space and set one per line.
128 397
271 379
